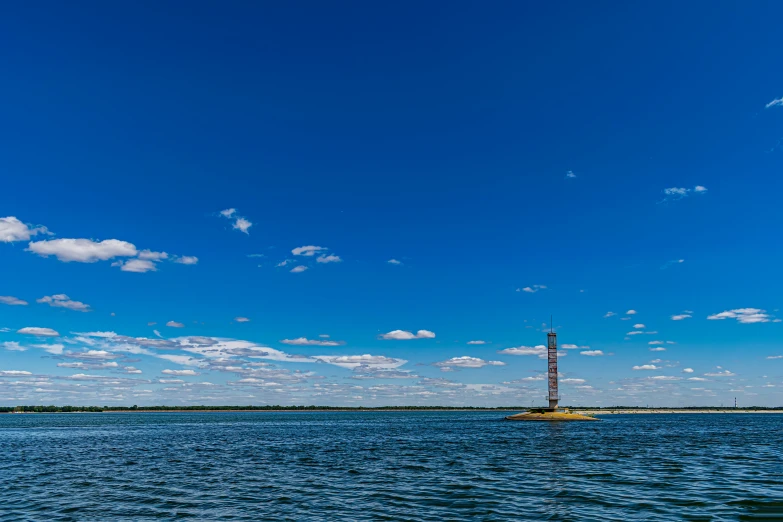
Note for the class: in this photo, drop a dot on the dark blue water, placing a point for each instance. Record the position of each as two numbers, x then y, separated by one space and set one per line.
389 466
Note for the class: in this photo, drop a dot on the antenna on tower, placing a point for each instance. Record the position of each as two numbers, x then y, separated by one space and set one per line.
550 324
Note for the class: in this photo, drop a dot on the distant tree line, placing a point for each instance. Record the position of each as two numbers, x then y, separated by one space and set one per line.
69 409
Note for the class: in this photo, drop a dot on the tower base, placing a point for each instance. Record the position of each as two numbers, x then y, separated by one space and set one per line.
546 414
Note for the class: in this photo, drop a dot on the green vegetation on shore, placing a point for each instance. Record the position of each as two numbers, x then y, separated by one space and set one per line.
76 409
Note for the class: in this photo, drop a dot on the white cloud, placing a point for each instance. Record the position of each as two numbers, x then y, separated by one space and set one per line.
309 250
241 319
676 193
240 223
13 301
63 301
655 342
38 331
778 102
592 353
298 269
609 314
570 174
631 312
525 350
572 381
533 289
743 315
243 225
687 370
13 346
775 357
724 373
175 324
130 370
83 250
91 355
153 256
477 342
14 373
328 259
667 264
468 362
368 361
303 341
139 266
180 373
55 349
404 335
646 367
394 262
658 349
680 317
283 263
11 230
186 260
638 325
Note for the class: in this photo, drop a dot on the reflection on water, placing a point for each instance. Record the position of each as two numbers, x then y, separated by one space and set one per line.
400 466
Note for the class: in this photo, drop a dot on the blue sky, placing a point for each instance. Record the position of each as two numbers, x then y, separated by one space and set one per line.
165 173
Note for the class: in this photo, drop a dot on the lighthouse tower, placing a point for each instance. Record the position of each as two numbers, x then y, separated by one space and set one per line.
553 397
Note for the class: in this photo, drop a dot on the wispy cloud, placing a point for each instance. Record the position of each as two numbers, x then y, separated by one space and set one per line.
592 353
63 301
646 367
532 289
570 174
298 269
778 102
721 373
681 317
609 314
241 319
303 341
677 193
468 362
328 259
175 324
308 250
743 315
180 373
394 262
477 342
38 331
673 262
12 301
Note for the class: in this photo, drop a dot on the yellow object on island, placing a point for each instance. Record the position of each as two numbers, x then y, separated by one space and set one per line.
545 415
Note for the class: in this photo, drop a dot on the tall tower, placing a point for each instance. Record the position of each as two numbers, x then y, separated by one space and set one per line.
553 397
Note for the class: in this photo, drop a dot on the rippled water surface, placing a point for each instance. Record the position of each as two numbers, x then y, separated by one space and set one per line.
389 466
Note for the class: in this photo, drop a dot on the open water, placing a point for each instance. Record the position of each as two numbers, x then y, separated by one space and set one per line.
389 466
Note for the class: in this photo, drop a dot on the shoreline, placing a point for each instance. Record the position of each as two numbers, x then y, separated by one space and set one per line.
586 411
